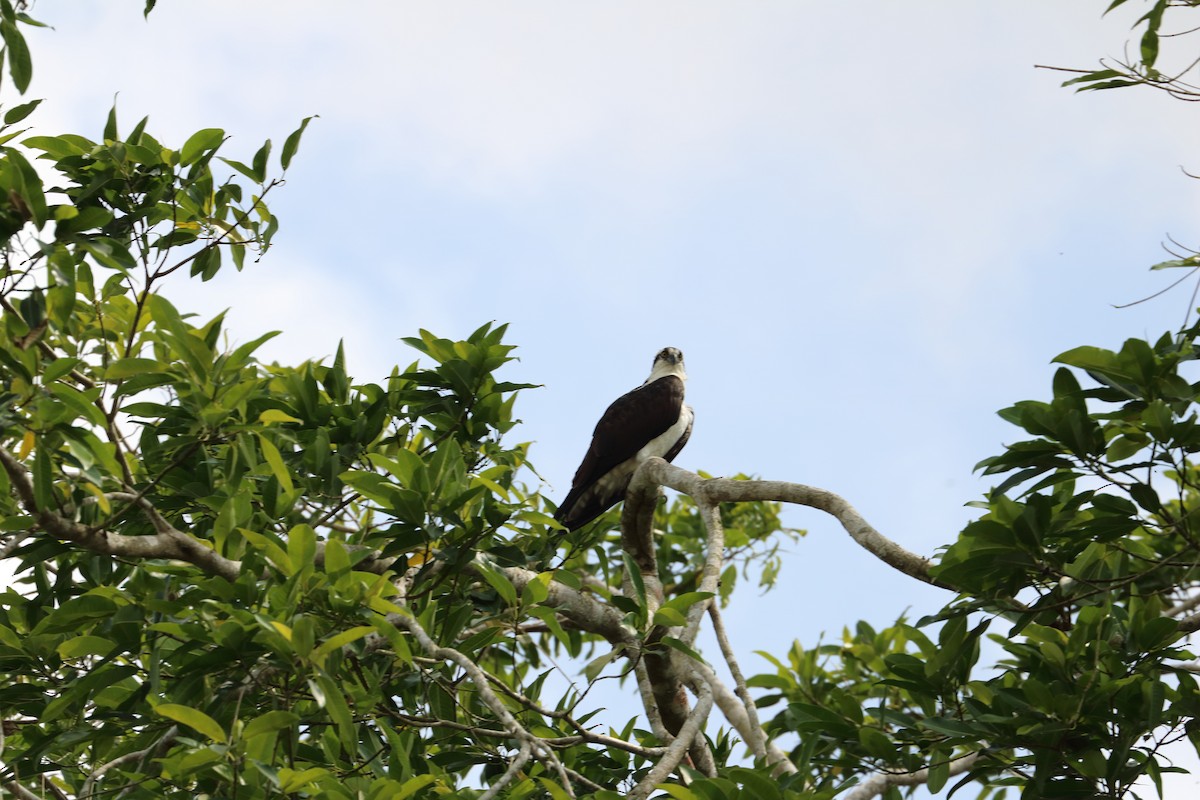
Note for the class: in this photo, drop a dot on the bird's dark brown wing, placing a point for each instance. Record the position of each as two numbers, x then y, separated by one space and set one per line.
632 420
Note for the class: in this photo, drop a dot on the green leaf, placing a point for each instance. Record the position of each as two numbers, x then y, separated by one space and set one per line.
275 462
293 142
79 691
28 186
20 65
260 161
594 667
552 788
242 168
302 546
635 577
669 617
676 644
498 581
18 113
207 263
271 415
58 368
275 553
939 773
110 125
194 719
78 646
329 696
340 640
337 560
1149 48
686 600
130 367
876 742
1095 359
1146 497
537 589
43 476
294 781
269 723
199 143
548 616
413 785
1190 262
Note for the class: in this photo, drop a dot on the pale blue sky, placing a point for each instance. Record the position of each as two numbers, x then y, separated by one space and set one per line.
868 225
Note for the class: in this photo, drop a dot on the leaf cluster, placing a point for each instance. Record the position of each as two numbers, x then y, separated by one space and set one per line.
1078 576
1144 66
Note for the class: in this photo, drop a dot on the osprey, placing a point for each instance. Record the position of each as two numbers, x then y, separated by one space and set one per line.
649 421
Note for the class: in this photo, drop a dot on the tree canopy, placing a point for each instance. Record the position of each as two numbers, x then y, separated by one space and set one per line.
247 579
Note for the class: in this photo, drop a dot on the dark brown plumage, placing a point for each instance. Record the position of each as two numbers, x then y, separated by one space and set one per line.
651 420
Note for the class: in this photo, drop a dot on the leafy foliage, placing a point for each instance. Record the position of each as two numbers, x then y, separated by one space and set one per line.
240 578
1147 68
1085 592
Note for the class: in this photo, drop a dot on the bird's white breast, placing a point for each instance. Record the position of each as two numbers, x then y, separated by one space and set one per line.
659 445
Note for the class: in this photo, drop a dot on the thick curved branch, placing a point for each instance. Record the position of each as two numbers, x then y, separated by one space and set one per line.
666 672
1190 624
667 669
584 611
637 540
723 490
166 543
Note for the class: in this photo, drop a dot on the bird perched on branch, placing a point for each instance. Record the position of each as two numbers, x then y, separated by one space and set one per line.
652 420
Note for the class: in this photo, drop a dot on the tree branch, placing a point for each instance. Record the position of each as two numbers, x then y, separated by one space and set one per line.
157 748
666 668
581 609
20 792
688 732
1183 606
523 755
735 713
723 490
1190 624
486 694
757 740
166 543
878 784
665 671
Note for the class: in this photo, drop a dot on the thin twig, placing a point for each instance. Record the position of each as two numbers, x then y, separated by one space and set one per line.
878 784
758 739
510 774
678 749
486 694
164 741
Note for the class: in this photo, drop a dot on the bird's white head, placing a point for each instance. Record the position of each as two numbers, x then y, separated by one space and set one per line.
669 361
